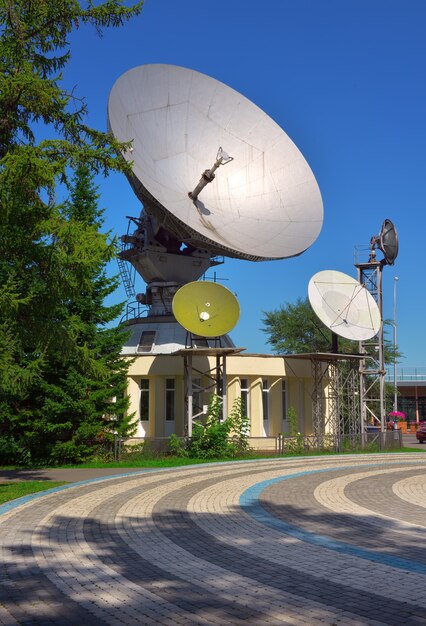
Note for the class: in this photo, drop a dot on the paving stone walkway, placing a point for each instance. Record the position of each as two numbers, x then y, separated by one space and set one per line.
328 540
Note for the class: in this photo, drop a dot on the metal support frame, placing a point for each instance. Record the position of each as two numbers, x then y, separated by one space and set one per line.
372 368
350 419
189 392
333 399
215 380
318 404
335 406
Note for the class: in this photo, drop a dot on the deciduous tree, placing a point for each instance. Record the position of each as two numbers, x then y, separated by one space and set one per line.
296 329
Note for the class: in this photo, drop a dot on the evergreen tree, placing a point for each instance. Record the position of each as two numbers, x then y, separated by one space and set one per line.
48 258
80 398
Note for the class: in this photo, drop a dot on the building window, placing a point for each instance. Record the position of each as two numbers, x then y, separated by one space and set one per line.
144 400
146 341
170 399
265 399
245 397
412 406
197 396
284 397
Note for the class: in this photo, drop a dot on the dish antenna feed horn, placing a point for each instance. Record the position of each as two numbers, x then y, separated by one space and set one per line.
222 158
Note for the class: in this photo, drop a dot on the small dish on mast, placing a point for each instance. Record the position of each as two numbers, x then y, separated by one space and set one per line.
206 309
344 305
388 242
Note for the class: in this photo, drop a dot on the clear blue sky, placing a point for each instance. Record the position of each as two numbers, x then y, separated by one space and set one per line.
346 81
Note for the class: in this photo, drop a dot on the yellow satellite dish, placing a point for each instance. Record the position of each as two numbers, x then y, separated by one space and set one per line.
206 309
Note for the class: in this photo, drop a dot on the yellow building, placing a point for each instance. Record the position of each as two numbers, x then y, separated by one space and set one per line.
266 384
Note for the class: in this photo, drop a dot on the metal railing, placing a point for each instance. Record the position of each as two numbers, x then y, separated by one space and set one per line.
134 447
327 443
134 310
415 374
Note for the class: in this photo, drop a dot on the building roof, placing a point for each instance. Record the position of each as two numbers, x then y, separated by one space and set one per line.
209 351
325 356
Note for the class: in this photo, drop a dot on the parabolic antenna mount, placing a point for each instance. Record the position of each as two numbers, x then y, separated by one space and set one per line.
388 242
344 305
262 203
206 309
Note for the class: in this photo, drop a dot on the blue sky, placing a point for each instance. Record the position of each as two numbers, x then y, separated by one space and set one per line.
346 80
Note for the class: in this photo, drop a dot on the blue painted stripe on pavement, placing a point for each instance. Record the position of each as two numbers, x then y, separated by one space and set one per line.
249 501
13 504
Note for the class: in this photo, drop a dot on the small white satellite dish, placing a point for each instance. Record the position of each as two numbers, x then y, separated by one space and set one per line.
344 305
212 167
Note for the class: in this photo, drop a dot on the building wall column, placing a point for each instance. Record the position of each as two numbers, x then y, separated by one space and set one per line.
256 410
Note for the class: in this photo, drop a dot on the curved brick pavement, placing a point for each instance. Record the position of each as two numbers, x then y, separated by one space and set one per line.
337 541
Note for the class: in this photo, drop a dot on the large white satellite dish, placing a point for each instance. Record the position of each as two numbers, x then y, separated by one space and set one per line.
344 305
264 202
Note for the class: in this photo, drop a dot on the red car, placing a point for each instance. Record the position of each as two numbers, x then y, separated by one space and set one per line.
421 433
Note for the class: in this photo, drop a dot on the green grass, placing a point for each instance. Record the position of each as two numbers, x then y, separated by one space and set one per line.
174 461
168 461
13 490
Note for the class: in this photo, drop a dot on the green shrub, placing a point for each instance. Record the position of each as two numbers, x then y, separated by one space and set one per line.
12 452
240 427
215 438
177 447
64 452
295 444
